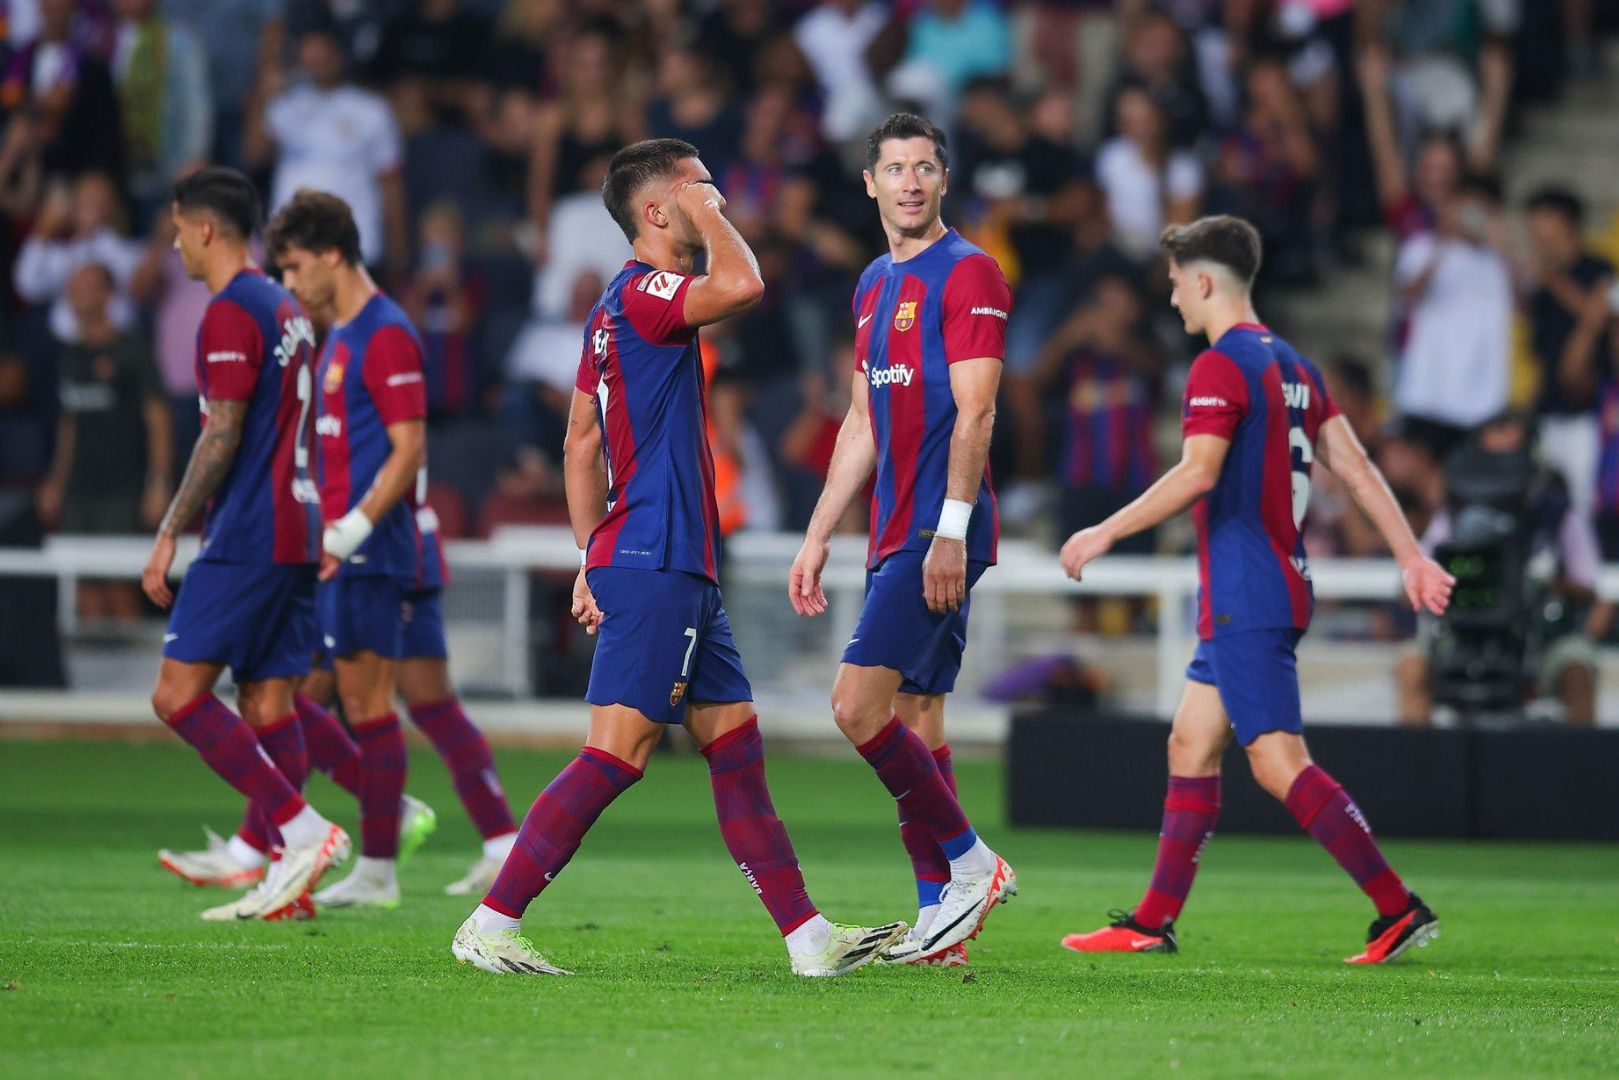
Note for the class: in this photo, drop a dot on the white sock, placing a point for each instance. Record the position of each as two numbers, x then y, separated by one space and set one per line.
976 861
307 828
490 921
498 847
924 919
811 938
246 855
377 871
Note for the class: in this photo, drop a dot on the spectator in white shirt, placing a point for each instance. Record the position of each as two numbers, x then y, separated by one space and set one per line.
330 135
76 227
1148 183
834 38
1455 282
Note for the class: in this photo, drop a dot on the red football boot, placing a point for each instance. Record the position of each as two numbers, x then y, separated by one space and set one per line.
1124 934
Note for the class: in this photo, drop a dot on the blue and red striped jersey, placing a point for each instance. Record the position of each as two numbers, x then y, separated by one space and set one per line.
1108 442
256 345
913 319
642 365
1253 389
370 377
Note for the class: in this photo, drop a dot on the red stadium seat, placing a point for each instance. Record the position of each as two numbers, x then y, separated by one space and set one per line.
451 509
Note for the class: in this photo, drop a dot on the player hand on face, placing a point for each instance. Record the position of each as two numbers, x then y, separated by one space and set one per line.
693 195
1427 585
155 578
804 582
1083 547
944 575
584 604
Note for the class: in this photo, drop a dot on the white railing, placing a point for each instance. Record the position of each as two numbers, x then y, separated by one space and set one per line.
760 559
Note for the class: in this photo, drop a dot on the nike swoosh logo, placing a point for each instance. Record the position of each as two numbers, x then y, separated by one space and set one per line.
548 877
1140 943
853 640
170 637
864 319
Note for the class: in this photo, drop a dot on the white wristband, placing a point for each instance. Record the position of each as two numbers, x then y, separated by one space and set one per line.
583 557
953 519
344 536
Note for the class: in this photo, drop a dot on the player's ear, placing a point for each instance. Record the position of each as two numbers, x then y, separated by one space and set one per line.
654 213
871 183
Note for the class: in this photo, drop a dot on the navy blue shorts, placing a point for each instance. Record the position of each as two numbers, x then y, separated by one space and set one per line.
362 613
258 619
424 625
664 643
1257 675
897 631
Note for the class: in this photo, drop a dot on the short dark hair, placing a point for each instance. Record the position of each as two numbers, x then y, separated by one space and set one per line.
632 168
1556 199
315 221
224 194
906 126
1486 185
1223 239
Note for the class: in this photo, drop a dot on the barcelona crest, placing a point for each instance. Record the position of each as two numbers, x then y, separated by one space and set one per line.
905 315
334 377
678 692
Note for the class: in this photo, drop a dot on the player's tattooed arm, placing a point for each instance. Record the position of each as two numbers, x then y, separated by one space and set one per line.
211 461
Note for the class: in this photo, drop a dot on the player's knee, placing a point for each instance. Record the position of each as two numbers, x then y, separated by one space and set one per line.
1192 755
167 700
858 721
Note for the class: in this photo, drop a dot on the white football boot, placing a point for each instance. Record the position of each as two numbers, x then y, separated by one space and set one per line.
966 903
373 883
504 952
910 950
212 867
849 947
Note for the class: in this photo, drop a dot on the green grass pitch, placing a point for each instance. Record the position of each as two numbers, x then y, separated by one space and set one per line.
106 970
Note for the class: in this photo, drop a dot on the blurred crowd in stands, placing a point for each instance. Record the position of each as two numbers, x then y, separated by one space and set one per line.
470 138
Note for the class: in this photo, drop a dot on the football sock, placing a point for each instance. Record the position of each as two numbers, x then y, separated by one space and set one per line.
754 835
245 854
928 862
331 751
810 938
304 827
376 871
902 762
1190 810
253 830
284 742
1326 812
382 781
490 921
230 748
498 847
555 825
472 767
